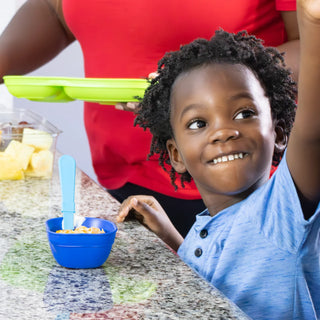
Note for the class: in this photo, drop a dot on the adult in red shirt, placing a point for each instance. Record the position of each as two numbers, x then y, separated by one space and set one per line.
125 39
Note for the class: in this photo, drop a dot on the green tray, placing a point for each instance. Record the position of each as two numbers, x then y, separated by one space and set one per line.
64 89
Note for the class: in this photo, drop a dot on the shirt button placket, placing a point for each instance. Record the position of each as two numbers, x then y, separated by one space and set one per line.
203 234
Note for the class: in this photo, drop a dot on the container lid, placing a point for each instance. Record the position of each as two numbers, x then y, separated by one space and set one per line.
15 120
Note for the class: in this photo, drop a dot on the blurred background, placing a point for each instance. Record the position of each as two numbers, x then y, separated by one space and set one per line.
68 117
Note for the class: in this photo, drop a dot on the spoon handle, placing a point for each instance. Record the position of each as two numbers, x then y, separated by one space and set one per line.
67 171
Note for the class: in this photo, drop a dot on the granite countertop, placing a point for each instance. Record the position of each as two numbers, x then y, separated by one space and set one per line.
141 279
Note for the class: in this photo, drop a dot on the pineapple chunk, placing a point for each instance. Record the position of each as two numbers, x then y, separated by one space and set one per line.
10 168
20 152
38 139
40 164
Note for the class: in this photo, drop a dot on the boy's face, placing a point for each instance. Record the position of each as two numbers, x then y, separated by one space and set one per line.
224 135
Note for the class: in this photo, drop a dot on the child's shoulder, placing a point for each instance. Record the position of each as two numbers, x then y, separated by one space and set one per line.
275 210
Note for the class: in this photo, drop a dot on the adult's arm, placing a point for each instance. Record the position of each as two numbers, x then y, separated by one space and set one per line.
292 46
34 36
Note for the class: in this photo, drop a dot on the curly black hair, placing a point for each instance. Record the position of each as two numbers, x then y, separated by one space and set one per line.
240 48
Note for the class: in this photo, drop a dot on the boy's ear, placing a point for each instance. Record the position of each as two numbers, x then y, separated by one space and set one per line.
281 137
175 157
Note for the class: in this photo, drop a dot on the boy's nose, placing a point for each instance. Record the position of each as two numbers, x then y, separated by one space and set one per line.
224 135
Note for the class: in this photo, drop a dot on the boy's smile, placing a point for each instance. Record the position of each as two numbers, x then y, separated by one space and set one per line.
224 135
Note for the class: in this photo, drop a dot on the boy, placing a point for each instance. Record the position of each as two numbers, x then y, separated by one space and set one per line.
221 112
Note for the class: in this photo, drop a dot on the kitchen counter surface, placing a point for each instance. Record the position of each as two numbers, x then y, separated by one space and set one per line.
141 279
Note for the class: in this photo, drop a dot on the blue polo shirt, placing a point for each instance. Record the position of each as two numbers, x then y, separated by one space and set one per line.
261 252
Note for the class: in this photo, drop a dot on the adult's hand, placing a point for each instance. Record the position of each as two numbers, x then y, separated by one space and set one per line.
132 106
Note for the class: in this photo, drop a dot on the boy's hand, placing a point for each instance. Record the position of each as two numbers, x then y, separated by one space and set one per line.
147 210
150 213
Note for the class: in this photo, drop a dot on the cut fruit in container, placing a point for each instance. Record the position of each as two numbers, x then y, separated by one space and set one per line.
20 152
39 139
10 168
41 164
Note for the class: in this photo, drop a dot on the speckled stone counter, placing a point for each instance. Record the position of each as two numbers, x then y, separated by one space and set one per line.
141 279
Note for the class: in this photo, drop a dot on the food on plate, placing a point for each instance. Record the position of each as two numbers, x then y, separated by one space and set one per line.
82 229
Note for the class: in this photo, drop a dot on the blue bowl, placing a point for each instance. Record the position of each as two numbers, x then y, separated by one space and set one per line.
81 251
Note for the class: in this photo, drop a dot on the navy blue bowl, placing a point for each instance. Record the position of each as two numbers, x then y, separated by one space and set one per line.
79 250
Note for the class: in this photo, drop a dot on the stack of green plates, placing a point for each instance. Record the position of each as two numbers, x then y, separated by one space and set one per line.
64 89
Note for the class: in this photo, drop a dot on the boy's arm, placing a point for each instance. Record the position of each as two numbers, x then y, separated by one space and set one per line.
35 35
150 213
303 154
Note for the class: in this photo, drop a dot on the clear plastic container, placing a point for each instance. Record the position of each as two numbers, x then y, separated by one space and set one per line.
27 145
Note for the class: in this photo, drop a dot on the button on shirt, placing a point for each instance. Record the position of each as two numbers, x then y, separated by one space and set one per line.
261 252
203 233
198 252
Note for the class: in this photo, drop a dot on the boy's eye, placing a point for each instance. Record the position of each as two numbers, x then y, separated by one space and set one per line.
196 124
244 114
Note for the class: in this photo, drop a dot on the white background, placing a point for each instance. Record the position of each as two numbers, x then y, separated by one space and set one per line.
68 117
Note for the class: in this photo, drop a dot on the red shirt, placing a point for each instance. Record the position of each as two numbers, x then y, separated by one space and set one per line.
125 39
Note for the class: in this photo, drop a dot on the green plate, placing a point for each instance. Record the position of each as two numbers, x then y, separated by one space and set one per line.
64 89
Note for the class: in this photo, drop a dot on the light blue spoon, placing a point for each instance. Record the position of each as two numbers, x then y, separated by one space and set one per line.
67 171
